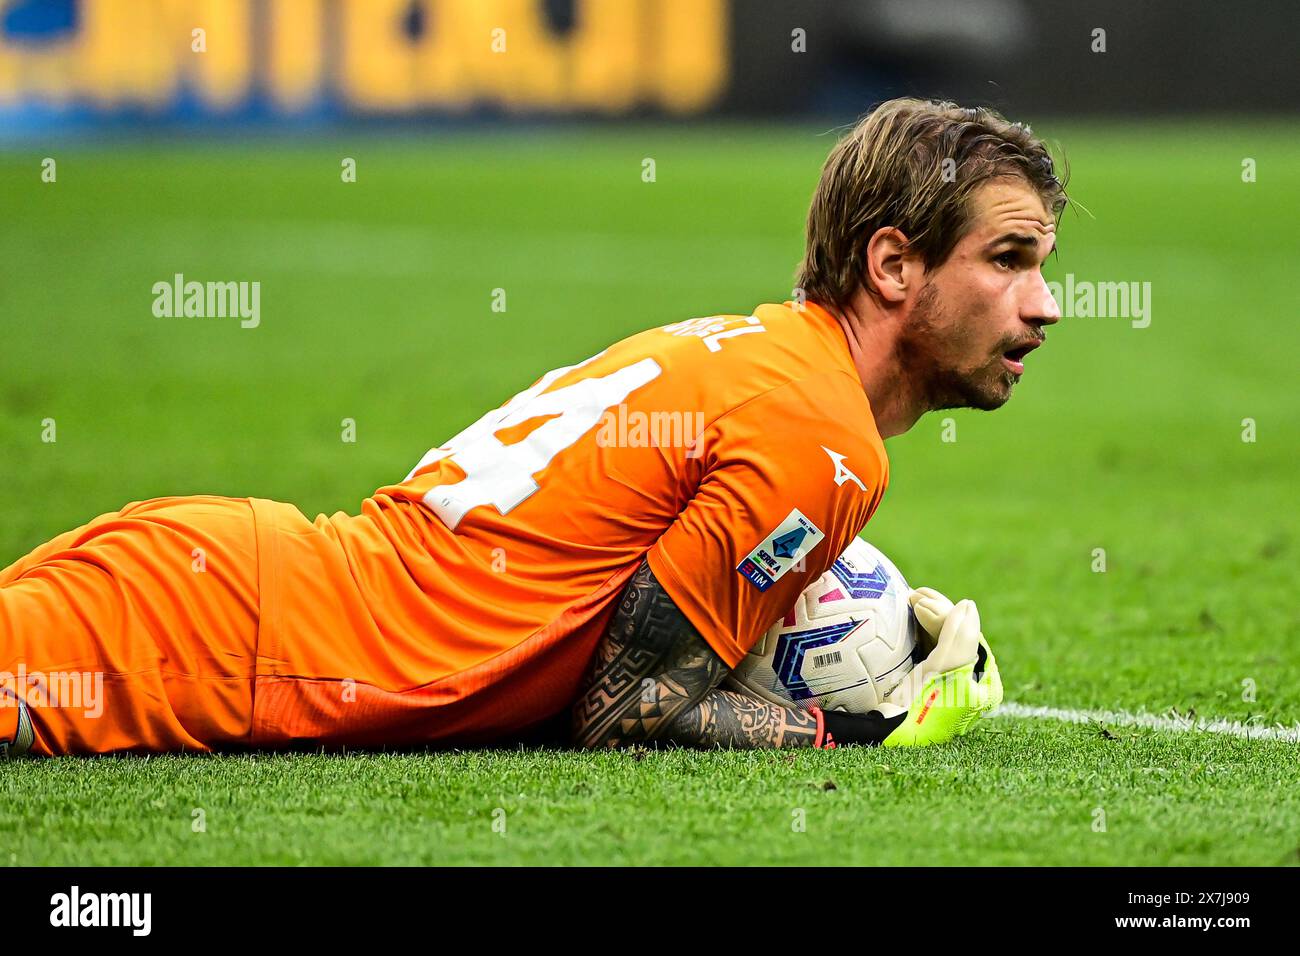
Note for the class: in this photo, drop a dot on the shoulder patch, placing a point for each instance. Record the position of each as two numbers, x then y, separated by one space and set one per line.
780 550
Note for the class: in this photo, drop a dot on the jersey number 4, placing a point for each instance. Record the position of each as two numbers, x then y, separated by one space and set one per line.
502 475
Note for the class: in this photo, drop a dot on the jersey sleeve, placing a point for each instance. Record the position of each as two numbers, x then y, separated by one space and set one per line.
787 485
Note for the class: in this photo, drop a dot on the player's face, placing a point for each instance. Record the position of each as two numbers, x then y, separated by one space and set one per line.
982 311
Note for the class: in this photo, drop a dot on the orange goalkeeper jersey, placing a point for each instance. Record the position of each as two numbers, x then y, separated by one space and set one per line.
738 454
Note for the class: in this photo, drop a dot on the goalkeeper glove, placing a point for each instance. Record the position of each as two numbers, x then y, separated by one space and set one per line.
942 697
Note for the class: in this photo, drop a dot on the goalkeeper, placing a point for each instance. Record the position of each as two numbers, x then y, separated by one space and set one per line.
560 558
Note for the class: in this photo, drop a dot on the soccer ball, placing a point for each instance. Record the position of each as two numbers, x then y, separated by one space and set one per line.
849 640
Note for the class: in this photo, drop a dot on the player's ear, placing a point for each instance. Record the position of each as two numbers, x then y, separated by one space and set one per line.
886 263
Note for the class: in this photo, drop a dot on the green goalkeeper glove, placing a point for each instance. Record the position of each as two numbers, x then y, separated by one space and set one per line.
956 683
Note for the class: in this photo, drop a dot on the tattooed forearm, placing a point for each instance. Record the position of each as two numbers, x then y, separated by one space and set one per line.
651 664
654 678
730 719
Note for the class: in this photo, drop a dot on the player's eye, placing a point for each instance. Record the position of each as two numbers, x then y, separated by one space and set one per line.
1007 260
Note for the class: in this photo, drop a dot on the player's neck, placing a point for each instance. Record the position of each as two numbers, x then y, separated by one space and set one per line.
896 402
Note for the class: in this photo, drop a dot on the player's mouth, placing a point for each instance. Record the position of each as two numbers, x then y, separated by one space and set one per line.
1015 358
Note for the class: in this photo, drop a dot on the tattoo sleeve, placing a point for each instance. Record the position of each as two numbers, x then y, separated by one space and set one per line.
655 679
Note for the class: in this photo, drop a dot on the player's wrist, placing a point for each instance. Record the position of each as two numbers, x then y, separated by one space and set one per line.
836 728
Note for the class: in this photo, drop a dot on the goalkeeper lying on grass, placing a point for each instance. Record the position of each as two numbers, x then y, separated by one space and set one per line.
609 542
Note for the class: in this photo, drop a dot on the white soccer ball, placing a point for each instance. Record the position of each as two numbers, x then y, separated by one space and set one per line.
848 641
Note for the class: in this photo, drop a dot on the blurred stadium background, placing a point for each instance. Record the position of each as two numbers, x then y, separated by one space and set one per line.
91 64
503 145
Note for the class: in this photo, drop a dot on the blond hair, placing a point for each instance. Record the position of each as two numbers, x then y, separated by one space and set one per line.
913 165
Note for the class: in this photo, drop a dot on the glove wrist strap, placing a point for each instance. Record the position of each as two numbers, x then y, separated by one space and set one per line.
836 728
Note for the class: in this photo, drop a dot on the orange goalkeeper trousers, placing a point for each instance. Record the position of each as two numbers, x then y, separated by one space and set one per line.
137 631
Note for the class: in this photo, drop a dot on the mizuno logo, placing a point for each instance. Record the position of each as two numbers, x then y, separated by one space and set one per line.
842 474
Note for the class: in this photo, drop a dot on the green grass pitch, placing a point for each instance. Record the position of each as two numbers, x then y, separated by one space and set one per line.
376 307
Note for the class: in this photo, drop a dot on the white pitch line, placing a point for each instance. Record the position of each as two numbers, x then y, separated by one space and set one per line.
1123 718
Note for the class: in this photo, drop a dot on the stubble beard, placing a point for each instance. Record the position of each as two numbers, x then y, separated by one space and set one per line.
927 351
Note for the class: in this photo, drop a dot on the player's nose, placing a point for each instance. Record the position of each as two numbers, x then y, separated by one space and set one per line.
1041 308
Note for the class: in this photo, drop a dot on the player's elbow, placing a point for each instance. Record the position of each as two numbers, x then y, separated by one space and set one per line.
585 734
602 730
